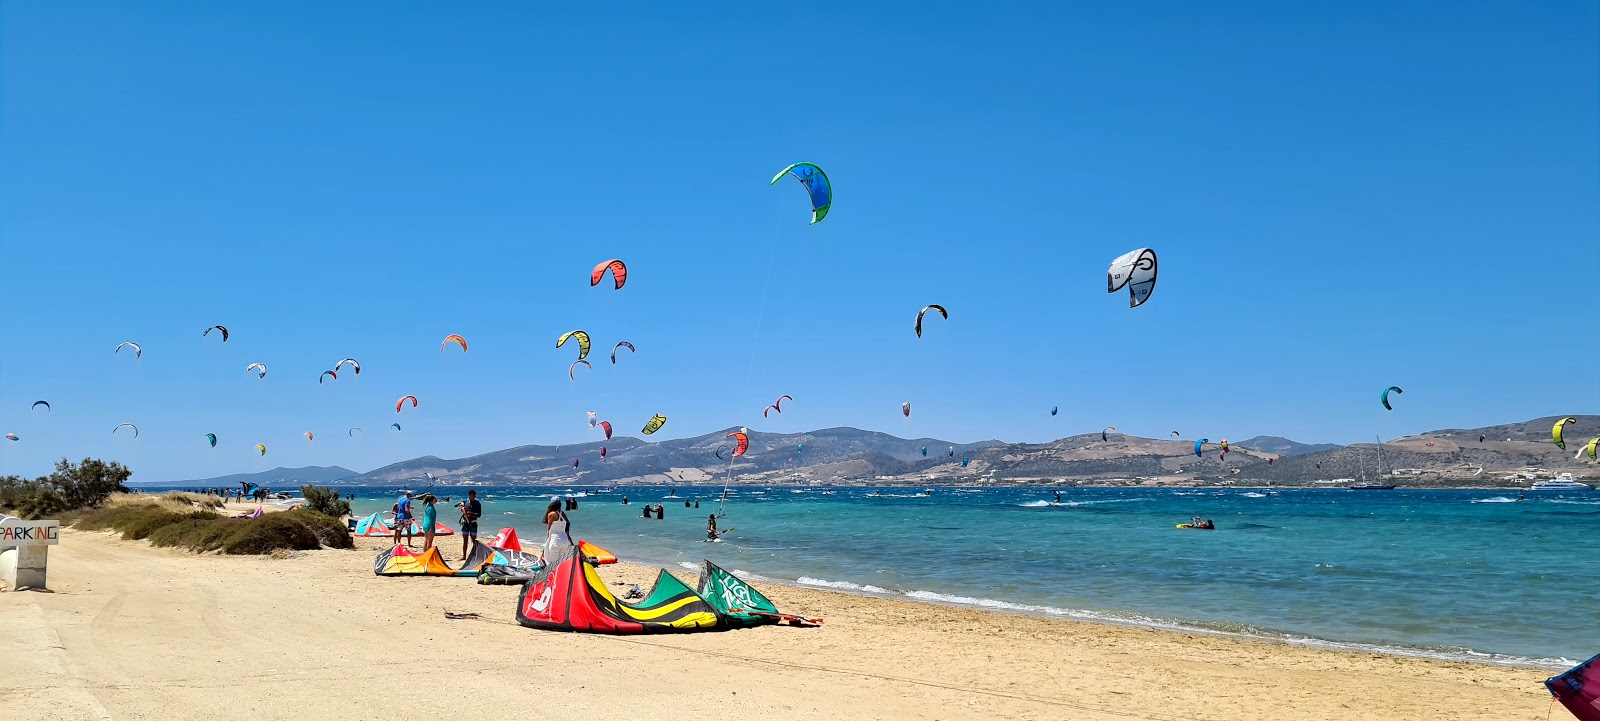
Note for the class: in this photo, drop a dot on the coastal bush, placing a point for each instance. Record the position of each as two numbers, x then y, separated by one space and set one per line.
70 487
115 517
196 534
332 532
325 501
204 531
139 527
269 533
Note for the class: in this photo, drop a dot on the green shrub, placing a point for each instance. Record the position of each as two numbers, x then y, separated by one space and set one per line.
115 517
325 501
196 534
332 532
271 532
70 487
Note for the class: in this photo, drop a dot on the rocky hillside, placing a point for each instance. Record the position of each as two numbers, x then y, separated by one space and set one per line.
1508 454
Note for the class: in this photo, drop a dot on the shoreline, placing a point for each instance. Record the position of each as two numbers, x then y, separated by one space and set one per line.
1182 626
137 631
158 488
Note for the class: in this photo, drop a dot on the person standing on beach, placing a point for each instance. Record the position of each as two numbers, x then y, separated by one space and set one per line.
402 518
557 529
471 509
430 519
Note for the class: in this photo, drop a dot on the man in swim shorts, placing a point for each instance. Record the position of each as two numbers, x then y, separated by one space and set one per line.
471 510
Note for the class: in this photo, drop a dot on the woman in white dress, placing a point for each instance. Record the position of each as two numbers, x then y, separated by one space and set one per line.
558 529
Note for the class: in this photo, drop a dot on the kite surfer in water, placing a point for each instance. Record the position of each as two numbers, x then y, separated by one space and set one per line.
1057 501
712 534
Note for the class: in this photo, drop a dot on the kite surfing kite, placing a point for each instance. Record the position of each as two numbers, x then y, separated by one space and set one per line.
1224 446
261 370
309 437
1105 438
574 366
327 373
952 451
719 451
593 418
352 431
817 186
1199 443
1135 269
1385 397
924 311
905 409
602 454
1555 433
457 339
395 425
619 273
137 351
1053 410
352 362
402 402
583 342
261 448
36 405
621 344
655 424
574 464
606 426
128 425
12 437
776 405
1480 438
741 443
212 437
1592 449
1176 434
218 328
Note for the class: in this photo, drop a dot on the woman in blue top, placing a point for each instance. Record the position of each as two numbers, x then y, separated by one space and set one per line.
430 517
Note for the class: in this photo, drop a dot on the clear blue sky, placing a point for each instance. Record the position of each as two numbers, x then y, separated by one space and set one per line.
1344 196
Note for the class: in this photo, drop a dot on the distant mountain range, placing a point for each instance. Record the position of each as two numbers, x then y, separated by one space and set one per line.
1508 454
278 478
1284 447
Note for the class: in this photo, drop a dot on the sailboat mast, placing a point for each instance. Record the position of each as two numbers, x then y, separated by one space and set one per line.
1380 456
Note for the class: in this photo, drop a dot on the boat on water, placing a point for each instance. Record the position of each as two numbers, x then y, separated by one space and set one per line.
1366 485
1562 482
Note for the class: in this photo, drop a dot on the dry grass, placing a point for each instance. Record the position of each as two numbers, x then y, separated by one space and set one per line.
176 522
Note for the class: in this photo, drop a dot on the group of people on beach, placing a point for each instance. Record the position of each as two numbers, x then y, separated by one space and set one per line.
558 526
407 523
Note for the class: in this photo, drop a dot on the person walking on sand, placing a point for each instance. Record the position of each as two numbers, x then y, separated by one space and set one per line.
558 529
430 519
471 510
402 518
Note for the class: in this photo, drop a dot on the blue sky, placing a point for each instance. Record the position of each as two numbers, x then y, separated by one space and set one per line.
1343 196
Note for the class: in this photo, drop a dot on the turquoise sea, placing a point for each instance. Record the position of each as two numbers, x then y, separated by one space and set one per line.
1455 574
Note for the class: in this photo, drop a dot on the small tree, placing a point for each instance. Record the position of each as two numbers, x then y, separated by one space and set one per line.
70 487
325 501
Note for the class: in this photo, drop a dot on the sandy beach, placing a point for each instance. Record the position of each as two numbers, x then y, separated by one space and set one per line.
135 632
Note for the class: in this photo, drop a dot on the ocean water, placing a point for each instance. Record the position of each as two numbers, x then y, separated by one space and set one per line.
1452 574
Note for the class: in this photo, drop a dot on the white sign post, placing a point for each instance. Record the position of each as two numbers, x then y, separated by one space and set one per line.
27 544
